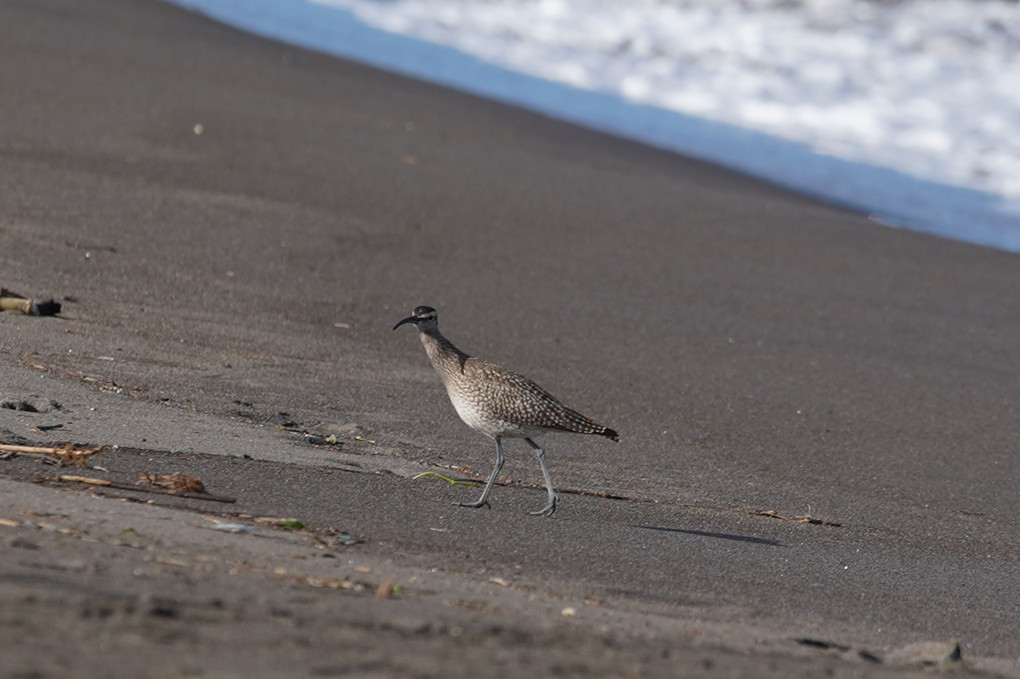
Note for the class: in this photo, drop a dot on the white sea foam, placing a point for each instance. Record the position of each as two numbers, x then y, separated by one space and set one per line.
910 110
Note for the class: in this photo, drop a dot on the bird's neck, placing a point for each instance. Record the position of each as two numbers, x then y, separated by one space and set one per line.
443 355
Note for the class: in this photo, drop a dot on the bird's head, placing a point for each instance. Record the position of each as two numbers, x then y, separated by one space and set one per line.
424 318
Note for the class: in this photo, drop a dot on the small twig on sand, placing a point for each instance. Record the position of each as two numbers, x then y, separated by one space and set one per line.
773 514
11 448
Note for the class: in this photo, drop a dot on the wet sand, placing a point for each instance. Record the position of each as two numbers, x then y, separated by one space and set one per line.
817 469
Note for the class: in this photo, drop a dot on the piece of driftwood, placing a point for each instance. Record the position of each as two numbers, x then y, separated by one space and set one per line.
12 301
68 453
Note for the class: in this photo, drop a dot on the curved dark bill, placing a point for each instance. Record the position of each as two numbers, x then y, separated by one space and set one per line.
409 319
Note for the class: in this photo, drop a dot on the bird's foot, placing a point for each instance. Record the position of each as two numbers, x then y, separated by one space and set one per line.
548 510
474 505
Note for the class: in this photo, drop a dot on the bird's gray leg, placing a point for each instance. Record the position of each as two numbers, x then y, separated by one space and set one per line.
484 499
550 505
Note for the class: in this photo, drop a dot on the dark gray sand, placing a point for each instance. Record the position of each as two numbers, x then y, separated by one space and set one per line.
818 467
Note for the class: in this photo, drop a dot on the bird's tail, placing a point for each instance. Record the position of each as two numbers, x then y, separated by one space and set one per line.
609 434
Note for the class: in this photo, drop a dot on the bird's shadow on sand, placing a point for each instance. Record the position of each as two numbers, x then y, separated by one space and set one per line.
708 534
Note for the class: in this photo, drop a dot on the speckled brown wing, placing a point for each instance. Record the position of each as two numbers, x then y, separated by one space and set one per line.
515 398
